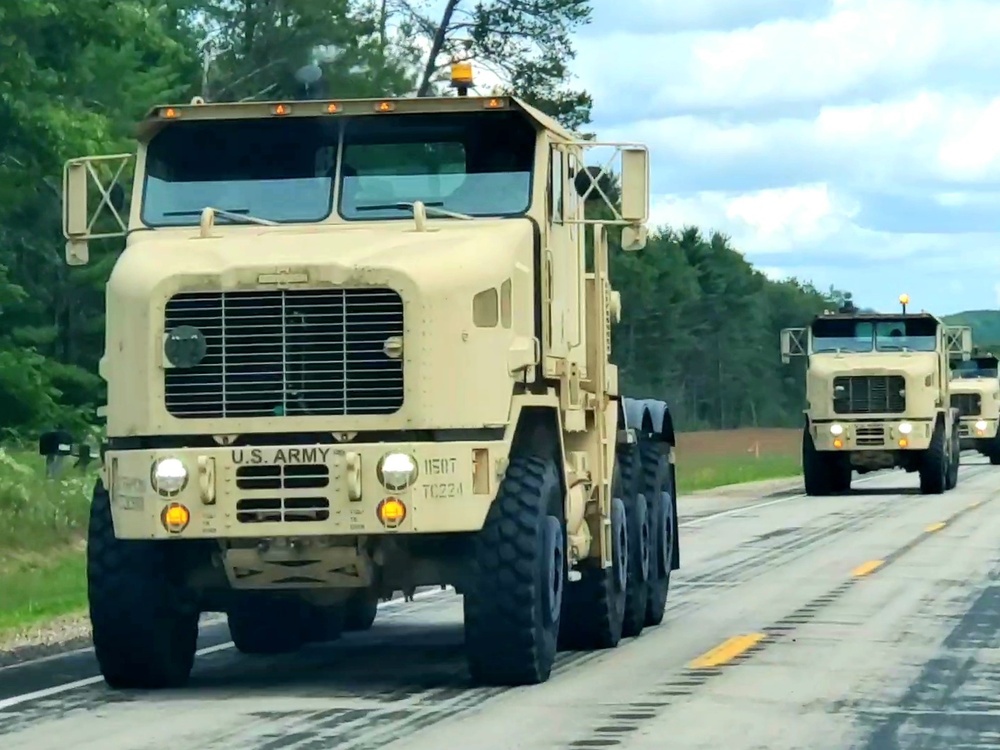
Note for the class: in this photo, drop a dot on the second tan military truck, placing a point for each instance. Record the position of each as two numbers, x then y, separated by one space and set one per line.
878 397
975 392
356 347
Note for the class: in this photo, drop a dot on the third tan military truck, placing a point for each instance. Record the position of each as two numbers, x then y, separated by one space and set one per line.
878 396
975 392
356 347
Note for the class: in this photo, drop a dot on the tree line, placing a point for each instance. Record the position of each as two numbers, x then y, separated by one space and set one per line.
700 324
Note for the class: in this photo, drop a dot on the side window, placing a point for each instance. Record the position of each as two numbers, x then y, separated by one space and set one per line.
572 197
556 182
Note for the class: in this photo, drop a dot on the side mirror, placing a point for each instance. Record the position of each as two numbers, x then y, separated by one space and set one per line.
792 344
79 222
634 238
635 184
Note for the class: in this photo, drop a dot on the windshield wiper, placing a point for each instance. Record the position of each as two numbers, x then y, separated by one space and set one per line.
236 214
433 208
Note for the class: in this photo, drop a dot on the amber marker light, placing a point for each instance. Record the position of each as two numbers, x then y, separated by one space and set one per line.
169 113
391 512
175 518
281 109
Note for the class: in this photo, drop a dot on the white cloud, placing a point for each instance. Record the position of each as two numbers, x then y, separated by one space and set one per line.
858 145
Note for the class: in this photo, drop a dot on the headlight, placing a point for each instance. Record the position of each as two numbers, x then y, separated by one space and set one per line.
981 425
905 428
168 476
836 429
396 471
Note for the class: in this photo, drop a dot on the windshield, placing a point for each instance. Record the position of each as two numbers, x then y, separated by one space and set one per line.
977 367
275 169
849 335
471 163
475 163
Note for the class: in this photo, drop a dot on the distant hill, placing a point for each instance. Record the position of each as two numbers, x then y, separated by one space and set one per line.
985 326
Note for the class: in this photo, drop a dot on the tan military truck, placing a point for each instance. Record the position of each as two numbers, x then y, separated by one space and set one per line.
975 392
877 387
356 347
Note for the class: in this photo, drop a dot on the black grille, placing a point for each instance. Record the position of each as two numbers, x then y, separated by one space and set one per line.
968 404
869 394
288 352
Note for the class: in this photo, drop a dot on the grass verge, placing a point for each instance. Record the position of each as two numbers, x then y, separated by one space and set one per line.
694 474
42 523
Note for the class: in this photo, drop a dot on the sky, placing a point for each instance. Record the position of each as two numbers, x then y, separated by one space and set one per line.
846 142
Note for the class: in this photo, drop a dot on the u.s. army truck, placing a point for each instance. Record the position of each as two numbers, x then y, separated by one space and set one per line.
975 392
877 387
356 347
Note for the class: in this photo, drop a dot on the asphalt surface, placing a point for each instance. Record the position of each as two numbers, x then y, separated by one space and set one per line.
867 621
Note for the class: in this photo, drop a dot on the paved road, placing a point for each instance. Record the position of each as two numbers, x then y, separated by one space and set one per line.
868 621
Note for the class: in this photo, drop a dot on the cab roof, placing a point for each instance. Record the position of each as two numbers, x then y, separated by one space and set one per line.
876 317
159 116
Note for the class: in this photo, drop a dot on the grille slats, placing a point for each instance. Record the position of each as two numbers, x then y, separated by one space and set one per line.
968 404
869 394
288 352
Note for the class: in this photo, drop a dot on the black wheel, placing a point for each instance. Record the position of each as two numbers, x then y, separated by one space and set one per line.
956 459
658 488
639 539
144 622
934 465
360 610
265 623
594 606
512 607
815 469
324 624
995 458
839 471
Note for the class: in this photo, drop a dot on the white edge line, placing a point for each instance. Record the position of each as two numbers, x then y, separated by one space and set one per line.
66 687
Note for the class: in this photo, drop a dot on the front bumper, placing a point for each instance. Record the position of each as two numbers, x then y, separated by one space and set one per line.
977 428
872 435
314 490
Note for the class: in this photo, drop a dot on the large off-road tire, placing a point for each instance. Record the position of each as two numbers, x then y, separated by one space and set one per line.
956 459
360 610
840 471
995 457
594 605
324 624
512 607
935 463
639 539
658 488
815 468
145 623
265 623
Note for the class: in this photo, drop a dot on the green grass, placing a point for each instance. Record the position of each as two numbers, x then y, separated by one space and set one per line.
41 524
705 473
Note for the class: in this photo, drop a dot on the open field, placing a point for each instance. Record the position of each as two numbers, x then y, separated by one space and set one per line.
716 458
42 522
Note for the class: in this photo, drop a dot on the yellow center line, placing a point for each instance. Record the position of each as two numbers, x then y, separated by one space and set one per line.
727 651
936 526
867 568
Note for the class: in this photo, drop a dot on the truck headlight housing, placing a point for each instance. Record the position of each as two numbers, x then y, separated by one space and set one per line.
905 428
396 471
168 476
981 425
836 429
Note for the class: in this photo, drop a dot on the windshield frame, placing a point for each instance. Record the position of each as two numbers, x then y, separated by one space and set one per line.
333 192
878 338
